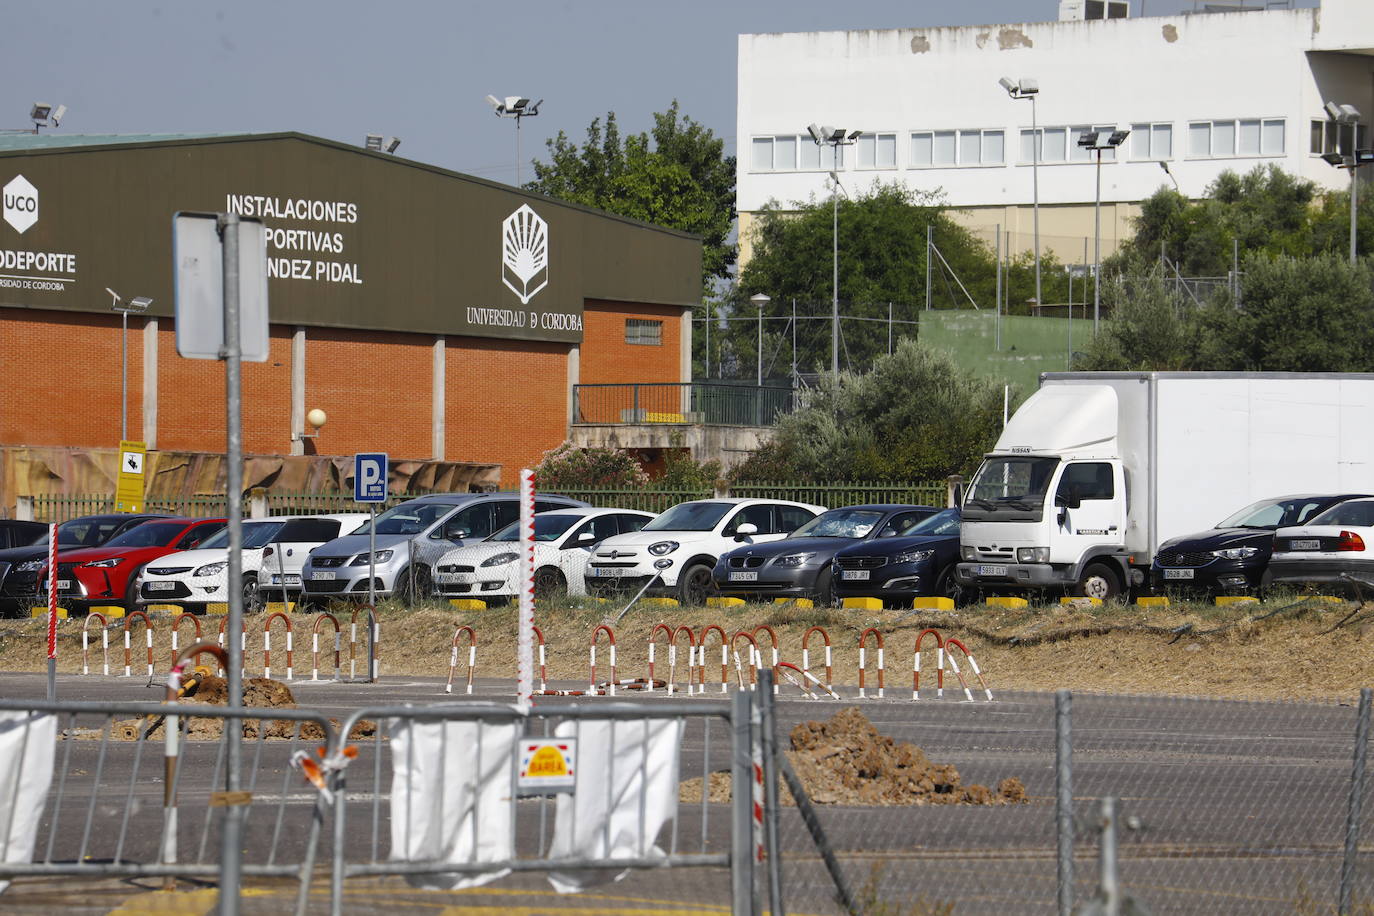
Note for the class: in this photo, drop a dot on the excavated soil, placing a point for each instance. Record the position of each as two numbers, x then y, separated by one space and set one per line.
846 761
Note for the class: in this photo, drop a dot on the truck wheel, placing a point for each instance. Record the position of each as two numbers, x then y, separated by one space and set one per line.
1099 581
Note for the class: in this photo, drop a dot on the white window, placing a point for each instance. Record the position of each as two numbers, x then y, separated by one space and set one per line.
775 154
877 151
994 147
1152 141
957 148
1272 132
1052 144
1243 137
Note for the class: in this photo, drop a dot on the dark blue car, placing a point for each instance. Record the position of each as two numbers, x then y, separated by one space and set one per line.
918 564
798 566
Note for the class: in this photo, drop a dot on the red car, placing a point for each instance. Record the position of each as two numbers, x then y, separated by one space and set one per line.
108 574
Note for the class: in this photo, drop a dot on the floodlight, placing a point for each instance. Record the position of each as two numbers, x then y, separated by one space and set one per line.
1118 137
1335 159
139 303
1088 139
1333 111
1364 156
40 111
815 132
1350 114
1028 86
515 103
58 114
855 134
374 142
493 101
1008 85
392 143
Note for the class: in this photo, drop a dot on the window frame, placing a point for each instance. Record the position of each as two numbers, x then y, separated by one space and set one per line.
1234 125
640 337
958 136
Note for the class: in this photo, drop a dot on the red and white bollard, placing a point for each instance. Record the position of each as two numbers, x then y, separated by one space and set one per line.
610 637
953 644
176 633
939 664
863 660
315 646
104 643
453 657
128 651
806 658
724 657
267 646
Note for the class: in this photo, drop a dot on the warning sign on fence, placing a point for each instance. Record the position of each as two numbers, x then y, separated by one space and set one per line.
546 765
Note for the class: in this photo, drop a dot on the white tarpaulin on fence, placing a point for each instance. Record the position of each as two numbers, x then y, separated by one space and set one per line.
452 792
27 745
627 789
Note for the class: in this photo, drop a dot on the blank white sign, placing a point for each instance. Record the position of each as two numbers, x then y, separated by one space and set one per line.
198 264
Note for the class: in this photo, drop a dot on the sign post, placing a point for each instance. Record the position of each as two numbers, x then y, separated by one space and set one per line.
370 473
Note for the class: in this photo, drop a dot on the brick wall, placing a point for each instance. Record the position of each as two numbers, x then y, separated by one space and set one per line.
375 387
608 359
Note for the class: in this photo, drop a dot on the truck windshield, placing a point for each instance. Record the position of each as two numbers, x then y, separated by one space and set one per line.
1010 488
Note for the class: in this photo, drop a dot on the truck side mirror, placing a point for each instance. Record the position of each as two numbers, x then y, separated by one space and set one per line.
1063 518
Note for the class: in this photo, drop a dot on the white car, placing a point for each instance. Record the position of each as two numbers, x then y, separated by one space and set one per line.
563 543
274 550
675 553
1329 546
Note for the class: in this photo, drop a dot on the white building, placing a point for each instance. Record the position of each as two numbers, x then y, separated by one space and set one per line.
1201 93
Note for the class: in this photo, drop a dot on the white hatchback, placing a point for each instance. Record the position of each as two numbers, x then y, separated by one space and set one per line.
1331 548
274 550
563 543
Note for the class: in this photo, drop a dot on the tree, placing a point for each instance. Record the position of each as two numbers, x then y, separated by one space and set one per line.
1149 329
676 176
914 416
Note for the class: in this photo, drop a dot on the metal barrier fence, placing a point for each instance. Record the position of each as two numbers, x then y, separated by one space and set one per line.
682 402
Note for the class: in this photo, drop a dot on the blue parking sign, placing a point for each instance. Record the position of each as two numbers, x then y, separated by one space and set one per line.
369 477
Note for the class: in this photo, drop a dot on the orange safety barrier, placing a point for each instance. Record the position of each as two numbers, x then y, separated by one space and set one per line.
672 634
939 664
543 668
315 646
596 636
653 652
104 643
806 657
374 640
243 646
786 669
724 657
453 657
691 657
753 659
951 644
128 652
773 635
863 660
267 645
176 630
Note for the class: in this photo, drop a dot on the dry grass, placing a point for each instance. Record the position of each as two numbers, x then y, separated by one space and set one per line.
1284 649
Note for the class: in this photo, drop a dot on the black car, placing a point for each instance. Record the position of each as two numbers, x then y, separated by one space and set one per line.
1232 557
19 566
16 533
798 566
918 564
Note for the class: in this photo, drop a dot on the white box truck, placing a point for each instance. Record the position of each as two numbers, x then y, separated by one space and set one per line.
1095 470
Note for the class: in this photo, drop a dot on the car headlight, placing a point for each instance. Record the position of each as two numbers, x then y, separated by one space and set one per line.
1236 553
30 566
112 561
968 552
913 556
1032 554
500 559
211 569
793 560
663 547
380 556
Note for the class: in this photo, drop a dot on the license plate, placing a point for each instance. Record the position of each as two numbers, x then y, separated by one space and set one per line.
992 570
1178 574
292 579
64 584
456 578
744 576
853 574
610 572
322 576
160 586
1306 545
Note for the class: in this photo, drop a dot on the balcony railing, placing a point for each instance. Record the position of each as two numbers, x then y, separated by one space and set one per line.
690 403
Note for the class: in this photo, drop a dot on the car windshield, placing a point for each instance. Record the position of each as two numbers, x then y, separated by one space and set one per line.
546 528
255 534
1268 514
946 522
153 534
409 518
1010 487
694 516
1357 512
840 523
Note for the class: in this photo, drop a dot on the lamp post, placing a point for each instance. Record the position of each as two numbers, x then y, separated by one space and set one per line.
1028 89
513 106
760 300
834 137
136 304
1089 140
1342 115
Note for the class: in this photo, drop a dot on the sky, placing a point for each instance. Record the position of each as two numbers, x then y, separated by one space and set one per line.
420 70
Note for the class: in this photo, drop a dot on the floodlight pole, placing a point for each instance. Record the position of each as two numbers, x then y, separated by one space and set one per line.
835 277
1354 206
1097 243
1035 196
123 375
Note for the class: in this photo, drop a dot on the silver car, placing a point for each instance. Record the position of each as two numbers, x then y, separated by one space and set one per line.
410 539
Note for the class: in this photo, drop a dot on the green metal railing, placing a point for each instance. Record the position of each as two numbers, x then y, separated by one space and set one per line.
697 403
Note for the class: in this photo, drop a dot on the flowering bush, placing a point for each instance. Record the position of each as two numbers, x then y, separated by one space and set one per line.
570 468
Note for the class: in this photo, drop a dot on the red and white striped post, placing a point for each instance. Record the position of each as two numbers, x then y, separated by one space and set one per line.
524 683
52 611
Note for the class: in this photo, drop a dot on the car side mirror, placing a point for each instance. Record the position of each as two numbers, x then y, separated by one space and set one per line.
586 537
456 533
748 529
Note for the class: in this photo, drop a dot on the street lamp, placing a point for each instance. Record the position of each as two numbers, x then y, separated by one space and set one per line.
41 113
136 304
1028 89
760 300
377 143
1089 140
1342 115
513 106
834 137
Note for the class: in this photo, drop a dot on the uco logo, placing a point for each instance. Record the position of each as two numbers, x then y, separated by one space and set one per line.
21 203
524 253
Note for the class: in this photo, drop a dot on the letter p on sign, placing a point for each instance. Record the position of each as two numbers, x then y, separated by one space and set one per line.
369 477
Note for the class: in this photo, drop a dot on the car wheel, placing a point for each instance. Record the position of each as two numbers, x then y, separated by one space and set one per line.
131 591
825 588
253 602
696 585
1099 581
412 589
549 584
947 586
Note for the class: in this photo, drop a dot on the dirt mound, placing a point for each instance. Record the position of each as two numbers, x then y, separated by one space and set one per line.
257 691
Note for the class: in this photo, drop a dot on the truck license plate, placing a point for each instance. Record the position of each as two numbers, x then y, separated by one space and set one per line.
854 574
1314 544
1178 574
992 570
322 576
749 576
